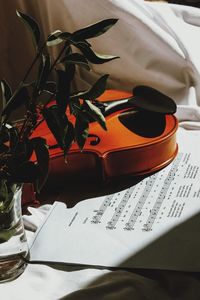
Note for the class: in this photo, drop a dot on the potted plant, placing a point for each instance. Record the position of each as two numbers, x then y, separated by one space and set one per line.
17 146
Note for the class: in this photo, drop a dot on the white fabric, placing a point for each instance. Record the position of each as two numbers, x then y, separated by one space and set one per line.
158 45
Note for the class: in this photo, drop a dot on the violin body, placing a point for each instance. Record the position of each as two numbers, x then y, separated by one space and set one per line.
133 144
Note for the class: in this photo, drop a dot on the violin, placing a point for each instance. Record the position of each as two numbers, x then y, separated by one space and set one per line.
140 138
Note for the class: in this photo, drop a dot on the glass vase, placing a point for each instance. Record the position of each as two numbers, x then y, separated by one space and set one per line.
13 243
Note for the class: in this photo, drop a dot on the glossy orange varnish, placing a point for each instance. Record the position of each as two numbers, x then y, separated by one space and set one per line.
119 152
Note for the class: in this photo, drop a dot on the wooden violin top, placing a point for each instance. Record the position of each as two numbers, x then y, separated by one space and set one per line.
136 142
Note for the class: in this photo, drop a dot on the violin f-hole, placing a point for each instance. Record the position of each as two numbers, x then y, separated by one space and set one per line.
95 141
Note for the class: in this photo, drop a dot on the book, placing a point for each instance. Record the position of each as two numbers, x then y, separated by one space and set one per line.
153 224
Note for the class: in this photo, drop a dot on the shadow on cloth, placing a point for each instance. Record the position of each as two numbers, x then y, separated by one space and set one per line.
176 249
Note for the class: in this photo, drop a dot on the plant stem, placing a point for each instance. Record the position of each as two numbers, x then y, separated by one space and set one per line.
26 75
40 122
59 56
52 67
24 79
39 52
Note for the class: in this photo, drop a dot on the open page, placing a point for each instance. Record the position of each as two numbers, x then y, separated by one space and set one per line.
153 224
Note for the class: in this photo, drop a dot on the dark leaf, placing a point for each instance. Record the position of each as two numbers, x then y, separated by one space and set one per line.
64 84
70 70
4 133
43 74
68 137
65 36
4 195
32 26
19 98
93 57
6 92
53 38
68 50
6 204
4 148
150 99
93 30
42 156
76 58
57 122
8 137
95 91
81 130
23 151
74 104
14 138
50 86
58 37
95 113
81 43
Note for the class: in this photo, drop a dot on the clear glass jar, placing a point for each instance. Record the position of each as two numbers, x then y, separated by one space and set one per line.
14 250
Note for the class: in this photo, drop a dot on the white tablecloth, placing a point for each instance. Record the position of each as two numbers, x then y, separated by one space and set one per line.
44 283
159 46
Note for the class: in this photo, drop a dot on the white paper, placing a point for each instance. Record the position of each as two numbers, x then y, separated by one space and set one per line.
154 224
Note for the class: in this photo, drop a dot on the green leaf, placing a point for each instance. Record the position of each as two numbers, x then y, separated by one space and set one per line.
4 148
58 37
68 49
54 39
63 87
3 196
4 133
93 30
23 152
57 122
32 25
81 43
5 235
43 74
6 92
70 70
75 58
42 156
95 91
6 209
96 114
68 137
14 138
50 86
92 56
81 130
65 36
74 104
19 98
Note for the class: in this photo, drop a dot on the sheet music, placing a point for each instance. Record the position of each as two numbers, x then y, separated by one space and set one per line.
128 228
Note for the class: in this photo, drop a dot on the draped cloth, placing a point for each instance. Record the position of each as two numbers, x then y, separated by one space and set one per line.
158 45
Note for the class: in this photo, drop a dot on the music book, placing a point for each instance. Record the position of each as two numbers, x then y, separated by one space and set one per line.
153 224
